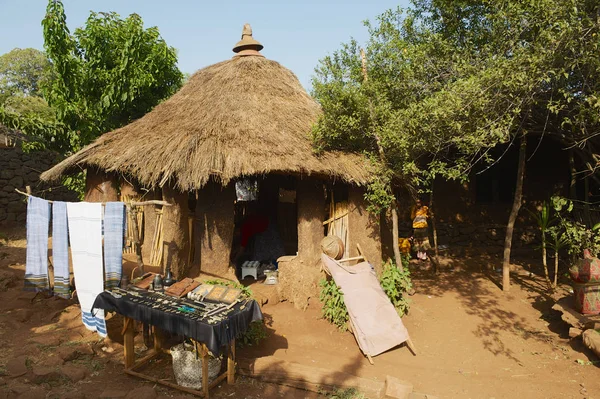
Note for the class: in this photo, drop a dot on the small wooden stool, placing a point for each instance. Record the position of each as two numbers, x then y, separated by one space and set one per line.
250 271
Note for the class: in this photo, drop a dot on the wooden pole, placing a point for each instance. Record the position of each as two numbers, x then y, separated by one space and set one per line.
128 349
513 215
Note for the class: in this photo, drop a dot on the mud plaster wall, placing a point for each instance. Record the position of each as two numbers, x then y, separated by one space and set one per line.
213 230
176 238
101 186
364 228
310 198
17 170
299 275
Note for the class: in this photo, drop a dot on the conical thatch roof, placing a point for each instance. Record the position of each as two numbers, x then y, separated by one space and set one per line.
244 116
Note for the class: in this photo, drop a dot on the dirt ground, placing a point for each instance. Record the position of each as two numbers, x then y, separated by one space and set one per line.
473 341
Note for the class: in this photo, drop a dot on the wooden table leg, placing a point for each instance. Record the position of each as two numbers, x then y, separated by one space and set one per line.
231 363
128 335
157 339
205 370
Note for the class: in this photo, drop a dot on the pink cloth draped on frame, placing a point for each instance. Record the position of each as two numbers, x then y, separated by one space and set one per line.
376 325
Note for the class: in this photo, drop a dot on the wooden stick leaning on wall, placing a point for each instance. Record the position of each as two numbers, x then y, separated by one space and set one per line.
157 247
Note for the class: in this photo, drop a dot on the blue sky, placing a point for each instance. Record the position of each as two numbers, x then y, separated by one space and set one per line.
295 33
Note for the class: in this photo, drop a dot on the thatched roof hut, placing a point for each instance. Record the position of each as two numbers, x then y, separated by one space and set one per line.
245 116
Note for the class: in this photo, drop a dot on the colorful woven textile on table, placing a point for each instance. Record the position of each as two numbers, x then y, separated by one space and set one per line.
38 224
85 234
60 250
114 228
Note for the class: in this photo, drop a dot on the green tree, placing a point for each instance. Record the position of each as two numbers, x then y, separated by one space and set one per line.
22 71
22 74
416 113
107 74
448 80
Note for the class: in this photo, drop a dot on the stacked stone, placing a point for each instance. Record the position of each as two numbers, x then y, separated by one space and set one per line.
18 170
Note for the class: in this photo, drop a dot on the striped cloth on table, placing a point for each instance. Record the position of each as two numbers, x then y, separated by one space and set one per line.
60 250
36 265
114 232
85 234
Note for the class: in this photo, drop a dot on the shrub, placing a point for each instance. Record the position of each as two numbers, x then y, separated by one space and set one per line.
334 308
396 283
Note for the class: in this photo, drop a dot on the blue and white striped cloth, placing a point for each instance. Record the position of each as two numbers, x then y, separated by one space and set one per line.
114 229
60 250
36 265
85 234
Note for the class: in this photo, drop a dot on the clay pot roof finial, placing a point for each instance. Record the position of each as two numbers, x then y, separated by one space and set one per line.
247 46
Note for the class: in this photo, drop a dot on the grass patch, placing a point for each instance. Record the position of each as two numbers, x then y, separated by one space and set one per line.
47 348
348 393
93 365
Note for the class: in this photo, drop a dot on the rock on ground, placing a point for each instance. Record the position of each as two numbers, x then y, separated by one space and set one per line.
7 280
17 366
41 374
591 339
74 373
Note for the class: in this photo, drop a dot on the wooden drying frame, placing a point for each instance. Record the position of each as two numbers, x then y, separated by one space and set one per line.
361 256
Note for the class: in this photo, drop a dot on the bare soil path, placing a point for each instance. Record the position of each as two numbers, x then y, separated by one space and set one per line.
473 342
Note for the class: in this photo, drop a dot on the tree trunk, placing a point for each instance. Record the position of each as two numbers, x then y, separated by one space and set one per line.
395 237
435 238
555 269
586 204
573 181
513 215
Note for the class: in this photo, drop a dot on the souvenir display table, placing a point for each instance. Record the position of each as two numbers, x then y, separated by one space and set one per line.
211 325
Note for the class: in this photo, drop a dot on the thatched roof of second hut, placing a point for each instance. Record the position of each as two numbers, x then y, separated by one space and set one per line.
244 116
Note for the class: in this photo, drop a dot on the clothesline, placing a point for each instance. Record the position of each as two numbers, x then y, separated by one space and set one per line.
133 203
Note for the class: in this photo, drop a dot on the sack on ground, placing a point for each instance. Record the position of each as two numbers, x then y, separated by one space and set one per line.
187 366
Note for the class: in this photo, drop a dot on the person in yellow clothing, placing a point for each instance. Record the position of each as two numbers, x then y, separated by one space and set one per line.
420 214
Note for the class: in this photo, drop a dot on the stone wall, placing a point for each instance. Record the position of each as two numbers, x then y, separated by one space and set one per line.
18 170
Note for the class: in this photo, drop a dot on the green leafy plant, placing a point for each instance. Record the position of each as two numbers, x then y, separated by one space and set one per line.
576 235
557 242
396 283
334 309
254 335
256 330
246 292
544 221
